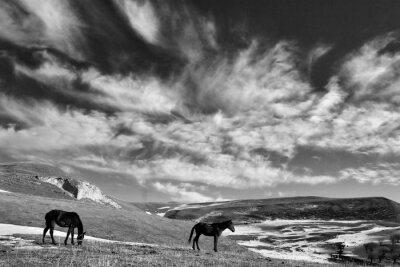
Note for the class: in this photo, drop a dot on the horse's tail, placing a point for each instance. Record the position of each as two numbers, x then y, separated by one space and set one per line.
191 234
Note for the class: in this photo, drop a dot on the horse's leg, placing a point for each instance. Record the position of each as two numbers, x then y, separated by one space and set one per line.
66 239
52 225
72 235
44 232
197 241
215 243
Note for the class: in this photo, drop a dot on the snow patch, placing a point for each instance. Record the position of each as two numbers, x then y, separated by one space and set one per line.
4 191
307 240
11 229
6 230
18 243
148 212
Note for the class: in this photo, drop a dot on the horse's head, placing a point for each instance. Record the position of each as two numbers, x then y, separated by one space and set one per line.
231 226
80 238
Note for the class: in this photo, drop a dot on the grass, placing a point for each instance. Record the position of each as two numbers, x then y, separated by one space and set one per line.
116 254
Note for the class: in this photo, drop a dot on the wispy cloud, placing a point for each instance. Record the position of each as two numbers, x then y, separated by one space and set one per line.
383 173
142 18
43 23
182 193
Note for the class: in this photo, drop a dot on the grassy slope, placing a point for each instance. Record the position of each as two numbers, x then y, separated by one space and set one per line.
31 199
127 224
377 208
20 178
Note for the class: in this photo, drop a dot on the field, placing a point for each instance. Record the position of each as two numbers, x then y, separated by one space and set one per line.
125 254
312 240
147 240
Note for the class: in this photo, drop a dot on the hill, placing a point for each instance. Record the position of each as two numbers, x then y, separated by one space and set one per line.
256 210
33 191
50 181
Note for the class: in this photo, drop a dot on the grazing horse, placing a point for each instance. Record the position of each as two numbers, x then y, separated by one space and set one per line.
207 229
64 219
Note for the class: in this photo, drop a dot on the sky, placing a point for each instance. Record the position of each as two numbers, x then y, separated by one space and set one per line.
201 100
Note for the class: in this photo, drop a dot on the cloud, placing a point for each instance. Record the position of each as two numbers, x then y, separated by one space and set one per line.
268 82
373 72
180 193
142 18
328 105
132 94
43 23
317 52
17 26
50 128
383 173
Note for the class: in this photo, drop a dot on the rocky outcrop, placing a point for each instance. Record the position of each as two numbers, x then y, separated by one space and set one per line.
80 190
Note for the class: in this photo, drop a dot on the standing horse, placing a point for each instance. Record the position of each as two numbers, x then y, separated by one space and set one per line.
207 229
64 219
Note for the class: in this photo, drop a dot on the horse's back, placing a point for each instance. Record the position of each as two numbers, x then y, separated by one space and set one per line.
59 214
53 214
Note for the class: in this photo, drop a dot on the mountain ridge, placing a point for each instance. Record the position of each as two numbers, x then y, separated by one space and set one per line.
256 210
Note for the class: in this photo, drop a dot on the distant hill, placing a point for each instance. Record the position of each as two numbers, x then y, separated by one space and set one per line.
255 210
50 181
